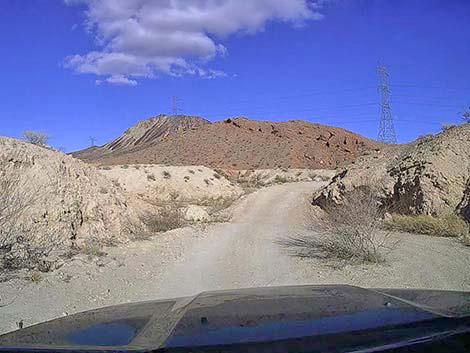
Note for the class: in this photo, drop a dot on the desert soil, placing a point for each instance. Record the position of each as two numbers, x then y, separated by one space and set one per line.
242 253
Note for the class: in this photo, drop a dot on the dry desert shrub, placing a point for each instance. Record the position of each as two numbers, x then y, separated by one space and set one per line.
22 244
216 204
448 225
250 183
93 248
280 179
348 231
445 127
169 217
466 115
36 138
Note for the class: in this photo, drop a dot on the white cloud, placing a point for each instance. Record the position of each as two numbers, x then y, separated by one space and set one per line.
147 38
118 80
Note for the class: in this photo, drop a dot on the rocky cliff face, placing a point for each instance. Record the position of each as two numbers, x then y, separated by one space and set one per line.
429 176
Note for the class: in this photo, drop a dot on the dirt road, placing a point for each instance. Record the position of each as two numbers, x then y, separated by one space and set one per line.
242 253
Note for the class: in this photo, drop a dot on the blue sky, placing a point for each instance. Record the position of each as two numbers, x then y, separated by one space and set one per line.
276 60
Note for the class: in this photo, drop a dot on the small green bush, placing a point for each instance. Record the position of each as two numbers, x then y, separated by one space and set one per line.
449 225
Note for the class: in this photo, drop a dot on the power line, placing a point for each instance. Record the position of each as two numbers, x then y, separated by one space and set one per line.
429 104
306 94
386 126
432 87
295 110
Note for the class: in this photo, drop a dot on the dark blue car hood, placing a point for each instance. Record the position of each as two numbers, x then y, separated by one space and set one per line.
240 317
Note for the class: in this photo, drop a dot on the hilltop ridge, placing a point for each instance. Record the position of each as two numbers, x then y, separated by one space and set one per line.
238 143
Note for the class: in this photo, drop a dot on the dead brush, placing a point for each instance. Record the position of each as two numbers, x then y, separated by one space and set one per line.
348 231
169 217
23 244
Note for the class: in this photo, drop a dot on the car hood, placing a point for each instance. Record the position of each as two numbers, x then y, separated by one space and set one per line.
234 317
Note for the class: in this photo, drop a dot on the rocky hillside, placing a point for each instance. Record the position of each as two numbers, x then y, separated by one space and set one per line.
50 198
429 176
143 134
241 143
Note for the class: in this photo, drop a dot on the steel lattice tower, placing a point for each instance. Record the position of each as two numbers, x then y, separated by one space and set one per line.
386 128
176 110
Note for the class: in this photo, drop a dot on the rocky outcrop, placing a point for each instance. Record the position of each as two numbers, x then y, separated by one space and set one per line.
463 207
429 176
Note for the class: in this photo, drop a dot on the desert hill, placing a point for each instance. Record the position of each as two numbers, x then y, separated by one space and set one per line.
238 143
144 133
429 176
50 199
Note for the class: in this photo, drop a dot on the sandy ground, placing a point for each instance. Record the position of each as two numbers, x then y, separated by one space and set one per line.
242 253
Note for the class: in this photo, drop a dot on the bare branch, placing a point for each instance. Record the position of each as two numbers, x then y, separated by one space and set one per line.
36 138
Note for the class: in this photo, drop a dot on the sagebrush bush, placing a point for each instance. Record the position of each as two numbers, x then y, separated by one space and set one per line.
169 217
22 245
348 231
280 179
36 138
449 225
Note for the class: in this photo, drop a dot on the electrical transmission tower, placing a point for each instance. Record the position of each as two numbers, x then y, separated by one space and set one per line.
93 141
386 127
175 105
